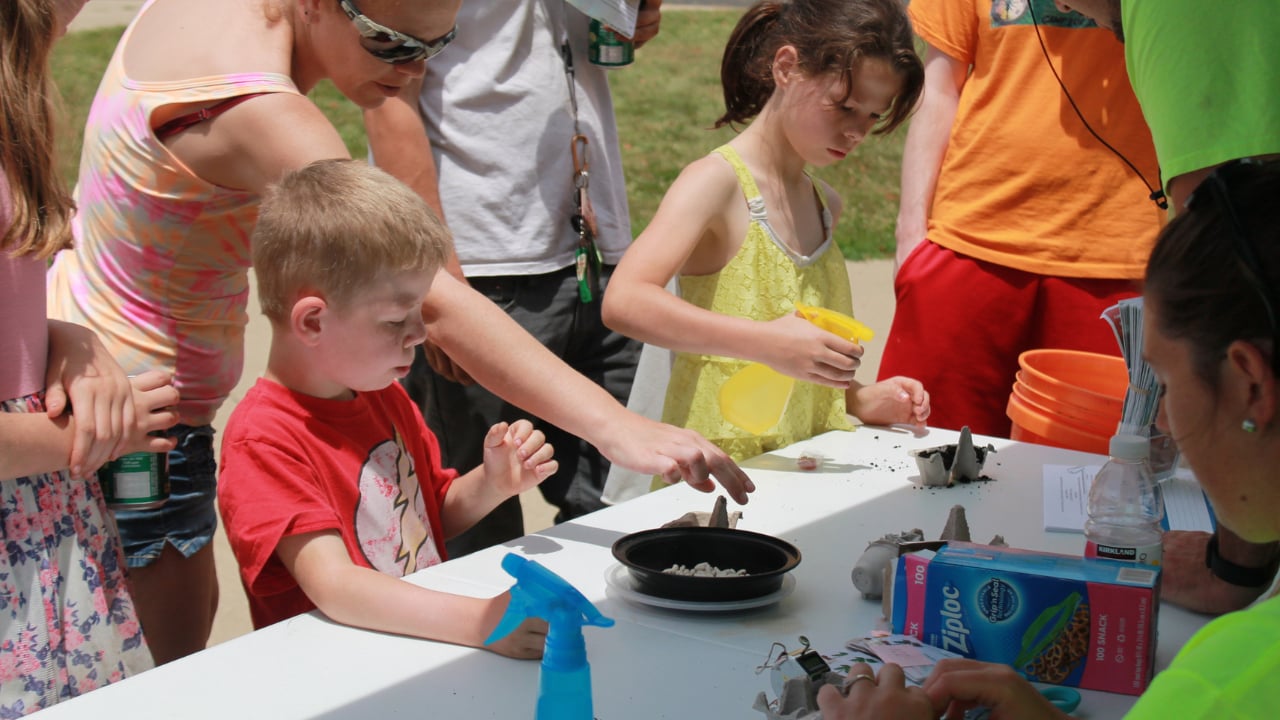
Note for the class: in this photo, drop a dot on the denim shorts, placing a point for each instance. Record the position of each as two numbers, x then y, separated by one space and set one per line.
187 521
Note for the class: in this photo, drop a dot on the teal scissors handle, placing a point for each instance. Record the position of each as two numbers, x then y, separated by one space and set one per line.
1063 698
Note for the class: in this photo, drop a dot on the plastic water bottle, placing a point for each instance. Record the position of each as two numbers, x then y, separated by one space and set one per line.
1125 507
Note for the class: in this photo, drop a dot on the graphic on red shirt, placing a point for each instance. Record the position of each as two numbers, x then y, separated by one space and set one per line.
389 516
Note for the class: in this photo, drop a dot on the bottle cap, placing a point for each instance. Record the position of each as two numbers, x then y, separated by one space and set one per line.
1130 447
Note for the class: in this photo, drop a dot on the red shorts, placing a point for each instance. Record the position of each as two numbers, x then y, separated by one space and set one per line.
961 323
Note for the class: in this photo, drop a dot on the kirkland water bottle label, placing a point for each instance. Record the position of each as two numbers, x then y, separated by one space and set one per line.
1143 554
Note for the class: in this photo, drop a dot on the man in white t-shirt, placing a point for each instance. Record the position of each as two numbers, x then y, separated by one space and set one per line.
500 111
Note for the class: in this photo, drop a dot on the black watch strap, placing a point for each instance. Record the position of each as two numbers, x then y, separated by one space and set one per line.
1227 571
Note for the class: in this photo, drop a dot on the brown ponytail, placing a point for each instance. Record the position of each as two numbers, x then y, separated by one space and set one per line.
746 70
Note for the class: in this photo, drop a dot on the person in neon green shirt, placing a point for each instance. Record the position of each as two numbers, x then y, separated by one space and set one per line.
1212 336
1206 82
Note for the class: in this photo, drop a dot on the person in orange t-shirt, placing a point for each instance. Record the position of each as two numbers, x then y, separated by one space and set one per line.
1017 226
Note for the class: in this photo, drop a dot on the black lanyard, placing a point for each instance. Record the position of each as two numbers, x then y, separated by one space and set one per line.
587 261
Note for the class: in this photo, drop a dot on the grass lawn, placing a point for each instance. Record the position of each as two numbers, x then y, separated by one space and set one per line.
666 103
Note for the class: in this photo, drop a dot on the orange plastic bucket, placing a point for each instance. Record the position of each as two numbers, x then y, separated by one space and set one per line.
1089 381
1093 420
1032 424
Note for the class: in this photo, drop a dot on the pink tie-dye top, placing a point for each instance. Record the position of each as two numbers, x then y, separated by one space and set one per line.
160 265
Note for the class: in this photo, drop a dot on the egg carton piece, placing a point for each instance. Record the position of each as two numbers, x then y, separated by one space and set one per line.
946 465
871 573
718 517
798 699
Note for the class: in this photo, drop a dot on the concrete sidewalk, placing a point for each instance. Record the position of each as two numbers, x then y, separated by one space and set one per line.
109 13
873 302
105 13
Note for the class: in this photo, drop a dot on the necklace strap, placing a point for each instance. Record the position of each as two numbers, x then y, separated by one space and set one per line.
587 261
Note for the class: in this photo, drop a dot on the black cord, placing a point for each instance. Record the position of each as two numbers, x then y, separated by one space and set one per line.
1156 194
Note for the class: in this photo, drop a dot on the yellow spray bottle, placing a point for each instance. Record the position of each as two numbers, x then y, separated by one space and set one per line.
755 397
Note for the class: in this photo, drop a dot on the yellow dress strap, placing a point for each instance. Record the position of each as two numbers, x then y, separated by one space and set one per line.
745 180
755 204
752 192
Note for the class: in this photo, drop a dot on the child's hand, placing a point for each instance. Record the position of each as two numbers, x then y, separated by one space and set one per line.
83 376
526 641
807 352
517 457
894 400
155 401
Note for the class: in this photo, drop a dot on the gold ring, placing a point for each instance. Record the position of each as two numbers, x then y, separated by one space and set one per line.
849 681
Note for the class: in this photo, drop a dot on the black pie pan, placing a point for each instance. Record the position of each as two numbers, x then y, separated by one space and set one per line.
646 554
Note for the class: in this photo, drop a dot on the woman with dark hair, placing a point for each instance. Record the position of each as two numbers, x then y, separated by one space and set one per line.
1211 329
1177 56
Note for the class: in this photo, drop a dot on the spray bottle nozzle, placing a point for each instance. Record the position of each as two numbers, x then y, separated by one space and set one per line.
538 592
565 686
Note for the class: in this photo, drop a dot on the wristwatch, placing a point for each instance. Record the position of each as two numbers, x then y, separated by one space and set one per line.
1227 571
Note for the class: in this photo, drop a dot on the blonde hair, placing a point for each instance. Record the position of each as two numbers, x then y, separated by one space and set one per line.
337 227
40 205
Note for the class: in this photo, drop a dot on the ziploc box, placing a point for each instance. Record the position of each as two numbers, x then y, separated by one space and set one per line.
1059 619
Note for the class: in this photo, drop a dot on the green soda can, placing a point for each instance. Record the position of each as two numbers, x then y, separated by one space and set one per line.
135 481
608 48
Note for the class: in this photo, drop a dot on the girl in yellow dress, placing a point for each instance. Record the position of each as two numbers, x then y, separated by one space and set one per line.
748 231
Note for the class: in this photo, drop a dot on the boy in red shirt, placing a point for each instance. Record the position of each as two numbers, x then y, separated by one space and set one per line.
330 484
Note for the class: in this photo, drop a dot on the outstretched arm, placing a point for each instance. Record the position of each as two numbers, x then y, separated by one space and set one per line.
363 597
249 147
508 361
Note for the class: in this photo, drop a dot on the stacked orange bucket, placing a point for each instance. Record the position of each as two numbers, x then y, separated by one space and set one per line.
1067 398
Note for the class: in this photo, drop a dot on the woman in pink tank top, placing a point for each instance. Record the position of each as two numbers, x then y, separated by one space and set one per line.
170 181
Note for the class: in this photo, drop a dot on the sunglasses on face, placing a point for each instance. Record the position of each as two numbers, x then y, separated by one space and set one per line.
391 46
1217 189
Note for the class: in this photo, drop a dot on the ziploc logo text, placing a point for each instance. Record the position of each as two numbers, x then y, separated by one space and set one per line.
954 630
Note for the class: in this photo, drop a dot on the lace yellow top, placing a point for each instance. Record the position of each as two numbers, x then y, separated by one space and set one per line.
763 281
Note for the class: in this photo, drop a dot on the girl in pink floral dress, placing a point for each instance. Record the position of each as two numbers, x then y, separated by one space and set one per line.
67 623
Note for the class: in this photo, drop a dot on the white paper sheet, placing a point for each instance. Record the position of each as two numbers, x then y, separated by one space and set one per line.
1066 496
1185 505
1066 500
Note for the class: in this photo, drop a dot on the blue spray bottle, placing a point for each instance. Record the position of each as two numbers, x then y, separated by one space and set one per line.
564 690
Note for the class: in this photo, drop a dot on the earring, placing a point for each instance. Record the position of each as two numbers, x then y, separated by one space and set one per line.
1249 425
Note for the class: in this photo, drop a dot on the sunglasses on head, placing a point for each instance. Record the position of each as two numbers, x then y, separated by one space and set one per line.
392 46
1217 189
